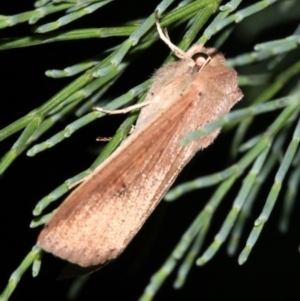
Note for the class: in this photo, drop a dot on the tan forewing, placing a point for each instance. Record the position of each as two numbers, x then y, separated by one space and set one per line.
103 211
97 221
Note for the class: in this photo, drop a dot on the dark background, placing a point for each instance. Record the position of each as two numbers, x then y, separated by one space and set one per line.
272 269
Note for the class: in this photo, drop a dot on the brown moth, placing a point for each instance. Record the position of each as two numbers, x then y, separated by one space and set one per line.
100 218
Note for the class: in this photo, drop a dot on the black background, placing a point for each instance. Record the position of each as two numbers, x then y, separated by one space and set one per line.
272 269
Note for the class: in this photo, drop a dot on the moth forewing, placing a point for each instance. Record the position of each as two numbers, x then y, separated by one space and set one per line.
98 220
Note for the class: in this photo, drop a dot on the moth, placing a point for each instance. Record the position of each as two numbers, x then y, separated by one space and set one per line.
99 219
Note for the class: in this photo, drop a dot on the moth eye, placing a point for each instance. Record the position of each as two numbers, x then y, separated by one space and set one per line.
200 58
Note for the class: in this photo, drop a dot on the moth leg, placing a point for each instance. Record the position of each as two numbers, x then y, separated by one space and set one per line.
76 183
103 139
165 37
125 110
132 129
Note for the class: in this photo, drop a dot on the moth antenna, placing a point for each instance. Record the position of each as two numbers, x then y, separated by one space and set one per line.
165 37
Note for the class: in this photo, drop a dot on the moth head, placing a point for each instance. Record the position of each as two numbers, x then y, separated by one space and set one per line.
202 56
